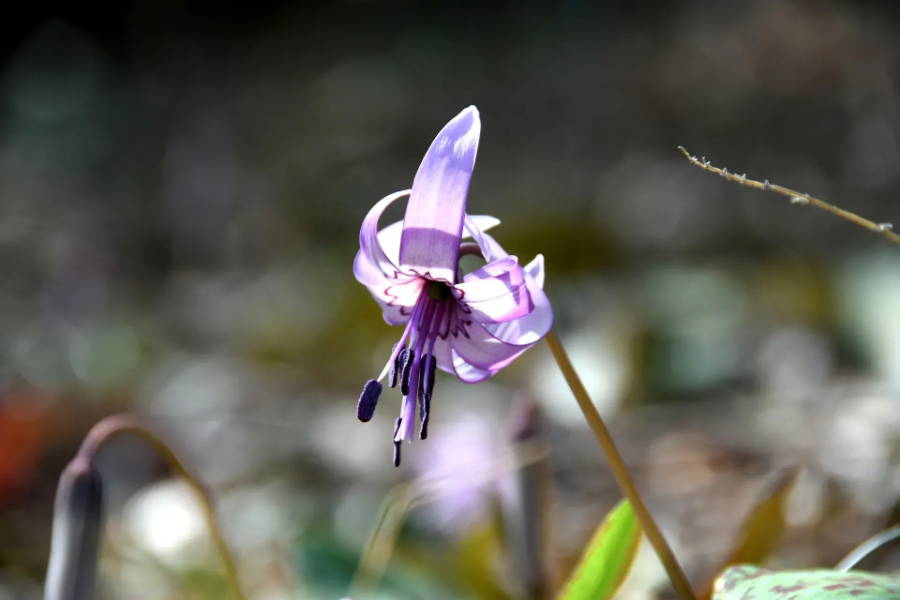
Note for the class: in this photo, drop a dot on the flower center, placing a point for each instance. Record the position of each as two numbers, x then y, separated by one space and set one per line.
437 290
412 363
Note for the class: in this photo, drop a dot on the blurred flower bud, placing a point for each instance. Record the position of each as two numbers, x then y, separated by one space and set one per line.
77 520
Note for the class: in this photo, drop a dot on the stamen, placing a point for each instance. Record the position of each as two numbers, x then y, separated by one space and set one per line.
407 332
397 442
426 388
397 367
406 368
368 400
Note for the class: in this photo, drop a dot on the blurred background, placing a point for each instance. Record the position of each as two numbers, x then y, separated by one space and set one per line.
181 187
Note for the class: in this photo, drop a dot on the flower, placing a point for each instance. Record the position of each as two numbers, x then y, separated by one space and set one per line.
469 326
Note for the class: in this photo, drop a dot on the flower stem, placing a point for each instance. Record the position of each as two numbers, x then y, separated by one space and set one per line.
619 470
883 229
868 547
115 425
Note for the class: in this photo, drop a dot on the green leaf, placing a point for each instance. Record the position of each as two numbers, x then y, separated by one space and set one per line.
607 558
746 581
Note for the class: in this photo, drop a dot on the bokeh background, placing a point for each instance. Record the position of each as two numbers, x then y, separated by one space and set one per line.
181 186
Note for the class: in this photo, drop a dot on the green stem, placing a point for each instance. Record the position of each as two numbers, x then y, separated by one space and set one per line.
619 470
119 424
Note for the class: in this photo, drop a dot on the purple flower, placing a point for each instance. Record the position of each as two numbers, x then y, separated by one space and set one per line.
469 326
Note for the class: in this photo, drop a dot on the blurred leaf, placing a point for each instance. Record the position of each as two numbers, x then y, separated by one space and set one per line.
747 581
476 553
607 558
763 528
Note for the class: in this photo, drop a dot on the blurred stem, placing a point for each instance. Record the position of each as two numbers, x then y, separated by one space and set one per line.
619 470
868 547
882 229
403 497
115 425
378 548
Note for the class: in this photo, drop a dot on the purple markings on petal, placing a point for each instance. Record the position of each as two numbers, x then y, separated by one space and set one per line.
532 327
497 292
434 217
368 400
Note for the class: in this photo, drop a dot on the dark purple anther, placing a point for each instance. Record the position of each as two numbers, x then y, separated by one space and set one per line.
368 400
407 367
397 442
397 367
426 387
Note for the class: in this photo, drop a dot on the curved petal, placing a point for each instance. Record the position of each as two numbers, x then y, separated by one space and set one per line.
451 362
432 227
369 243
497 292
533 326
535 270
404 293
469 373
443 355
491 250
394 315
481 349
389 237
396 295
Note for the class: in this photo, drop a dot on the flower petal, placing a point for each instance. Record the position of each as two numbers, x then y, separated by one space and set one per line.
369 243
533 326
467 372
389 237
433 223
404 293
497 292
478 348
491 250
450 361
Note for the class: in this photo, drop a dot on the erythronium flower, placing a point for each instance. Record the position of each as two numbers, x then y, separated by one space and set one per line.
470 326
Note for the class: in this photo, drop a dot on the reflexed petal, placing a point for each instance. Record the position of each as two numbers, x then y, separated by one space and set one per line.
405 293
535 270
532 327
467 372
369 243
491 250
393 314
478 224
389 237
433 223
497 292
450 361
483 350
396 296
443 354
